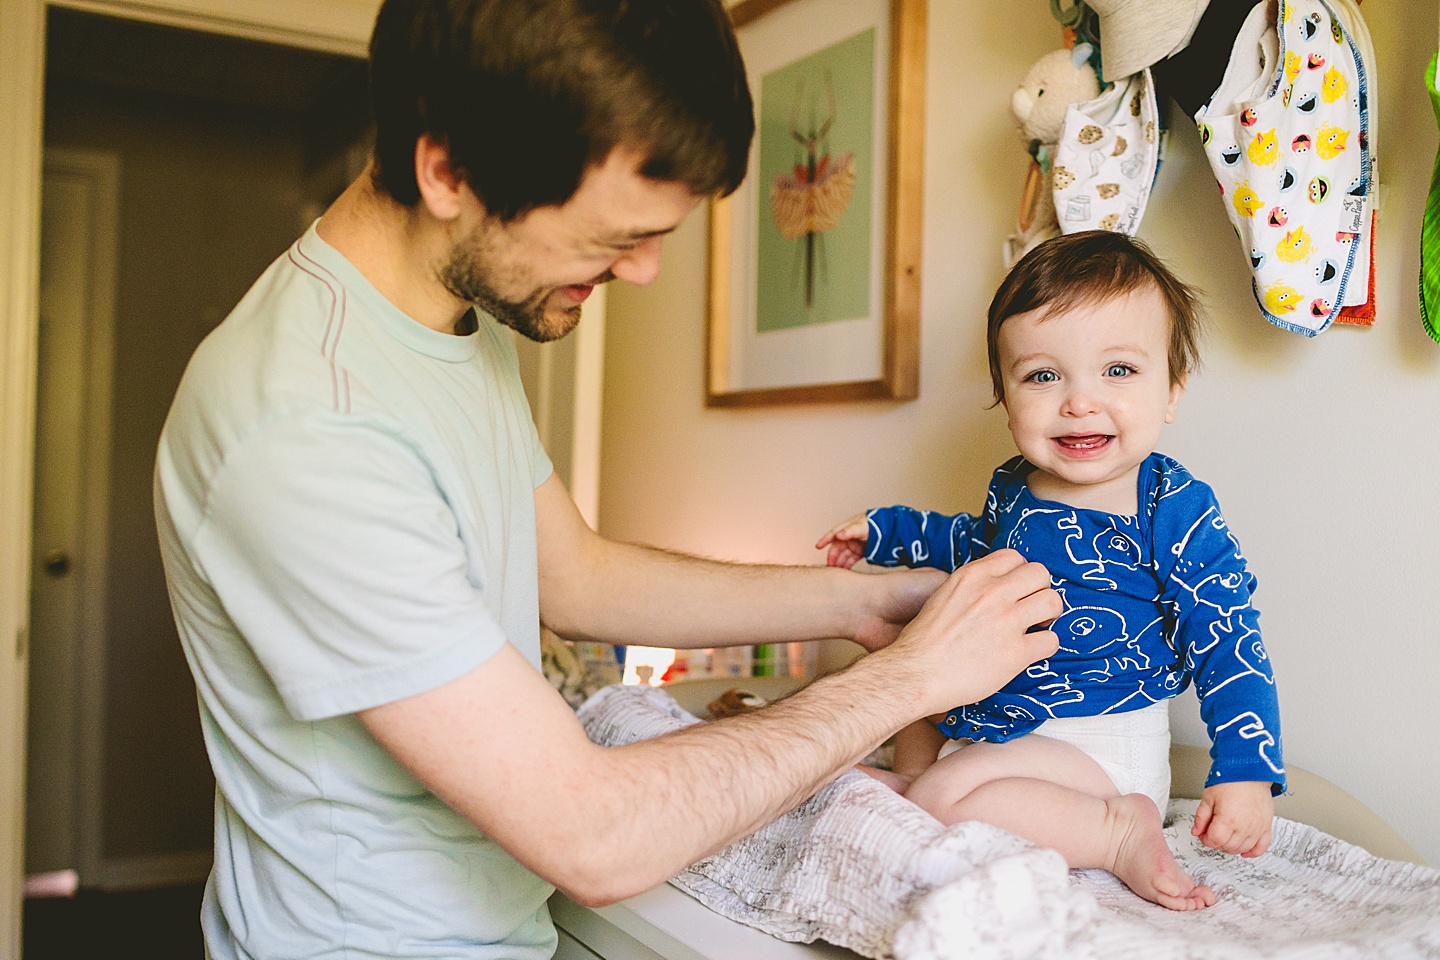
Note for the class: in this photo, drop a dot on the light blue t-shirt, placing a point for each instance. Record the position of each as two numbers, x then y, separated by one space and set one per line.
345 501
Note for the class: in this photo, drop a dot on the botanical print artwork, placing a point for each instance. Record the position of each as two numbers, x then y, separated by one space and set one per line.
816 138
811 200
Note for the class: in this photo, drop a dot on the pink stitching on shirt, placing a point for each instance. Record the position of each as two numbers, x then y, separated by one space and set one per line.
328 347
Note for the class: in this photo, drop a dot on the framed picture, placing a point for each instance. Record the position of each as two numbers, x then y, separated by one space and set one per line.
815 260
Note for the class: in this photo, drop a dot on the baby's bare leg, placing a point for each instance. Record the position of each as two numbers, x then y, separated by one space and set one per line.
1053 795
891 780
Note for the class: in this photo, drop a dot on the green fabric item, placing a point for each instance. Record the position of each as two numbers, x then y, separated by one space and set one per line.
1430 231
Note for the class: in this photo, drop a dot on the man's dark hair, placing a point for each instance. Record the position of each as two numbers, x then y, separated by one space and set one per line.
529 94
1080 269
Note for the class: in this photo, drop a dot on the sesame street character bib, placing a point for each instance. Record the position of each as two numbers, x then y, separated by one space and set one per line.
1106 158
1287 139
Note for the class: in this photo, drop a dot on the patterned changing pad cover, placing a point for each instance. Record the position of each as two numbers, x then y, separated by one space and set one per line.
858 866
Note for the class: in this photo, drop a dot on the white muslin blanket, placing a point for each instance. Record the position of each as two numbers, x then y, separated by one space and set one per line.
859 866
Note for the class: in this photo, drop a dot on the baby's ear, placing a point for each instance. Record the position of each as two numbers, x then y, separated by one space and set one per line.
1177 390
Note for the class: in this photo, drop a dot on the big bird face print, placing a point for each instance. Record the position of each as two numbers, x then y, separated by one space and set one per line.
1333 86
1329 141
1246 200
1295 246
1281 299
1263 150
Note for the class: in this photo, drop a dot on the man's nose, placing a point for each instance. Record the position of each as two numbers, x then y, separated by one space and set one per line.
641 264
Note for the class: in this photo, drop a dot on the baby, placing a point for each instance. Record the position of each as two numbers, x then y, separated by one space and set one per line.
1091 340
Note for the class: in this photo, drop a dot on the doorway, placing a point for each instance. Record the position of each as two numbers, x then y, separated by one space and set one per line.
218 153
211 154
315 25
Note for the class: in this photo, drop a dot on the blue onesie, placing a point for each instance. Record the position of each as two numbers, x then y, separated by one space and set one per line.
1152 602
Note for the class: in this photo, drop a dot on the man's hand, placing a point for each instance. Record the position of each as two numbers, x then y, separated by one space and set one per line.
970 638
895 598
846 541
1235 817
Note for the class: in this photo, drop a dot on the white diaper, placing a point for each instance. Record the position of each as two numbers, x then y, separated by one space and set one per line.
1132 748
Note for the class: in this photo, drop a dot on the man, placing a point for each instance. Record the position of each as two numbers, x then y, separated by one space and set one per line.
362 534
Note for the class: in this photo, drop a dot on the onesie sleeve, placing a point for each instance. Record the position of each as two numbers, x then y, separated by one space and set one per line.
923 538
339 560
1216 630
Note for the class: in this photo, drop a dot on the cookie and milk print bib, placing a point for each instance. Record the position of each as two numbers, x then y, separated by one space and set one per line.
1107 158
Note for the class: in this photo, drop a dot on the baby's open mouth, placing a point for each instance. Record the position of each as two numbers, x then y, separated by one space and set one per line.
1082 443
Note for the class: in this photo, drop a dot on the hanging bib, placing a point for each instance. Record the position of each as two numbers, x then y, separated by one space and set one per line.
1286 136
1430 228
1106 159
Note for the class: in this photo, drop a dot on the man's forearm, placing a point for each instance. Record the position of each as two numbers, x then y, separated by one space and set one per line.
724 780
597 589
603 824
637 594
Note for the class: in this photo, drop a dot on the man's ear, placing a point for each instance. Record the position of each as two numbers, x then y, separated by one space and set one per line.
440 184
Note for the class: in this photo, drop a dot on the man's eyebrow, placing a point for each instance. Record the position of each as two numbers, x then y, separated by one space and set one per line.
636 235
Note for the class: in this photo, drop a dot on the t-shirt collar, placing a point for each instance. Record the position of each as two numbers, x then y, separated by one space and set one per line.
394 321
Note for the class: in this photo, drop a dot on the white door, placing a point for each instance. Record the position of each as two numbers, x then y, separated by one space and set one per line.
72 456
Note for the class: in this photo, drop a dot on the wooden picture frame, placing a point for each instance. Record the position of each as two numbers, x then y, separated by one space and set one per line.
807 305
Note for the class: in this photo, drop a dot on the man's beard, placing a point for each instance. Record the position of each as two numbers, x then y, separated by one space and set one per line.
467 275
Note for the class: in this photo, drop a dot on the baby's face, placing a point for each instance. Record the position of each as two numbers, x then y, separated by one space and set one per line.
1088 390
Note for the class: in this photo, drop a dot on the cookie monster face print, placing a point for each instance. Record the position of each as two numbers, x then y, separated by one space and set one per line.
1152 603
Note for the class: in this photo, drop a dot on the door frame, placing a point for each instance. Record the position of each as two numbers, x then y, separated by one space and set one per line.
337 26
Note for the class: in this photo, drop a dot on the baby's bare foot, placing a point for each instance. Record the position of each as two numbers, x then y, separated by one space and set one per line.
1137 854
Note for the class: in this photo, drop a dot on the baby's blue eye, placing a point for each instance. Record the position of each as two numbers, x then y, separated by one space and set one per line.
1118 370
1043 376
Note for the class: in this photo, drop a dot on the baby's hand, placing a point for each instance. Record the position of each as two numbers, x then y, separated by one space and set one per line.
846 542
1235 817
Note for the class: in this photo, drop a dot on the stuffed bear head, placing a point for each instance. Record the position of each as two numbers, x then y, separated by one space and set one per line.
1055 81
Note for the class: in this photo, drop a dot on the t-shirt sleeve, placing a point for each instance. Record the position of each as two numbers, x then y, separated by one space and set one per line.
339 560
921 538
1217 632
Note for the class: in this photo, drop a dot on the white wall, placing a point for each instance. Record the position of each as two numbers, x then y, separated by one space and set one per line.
1299 438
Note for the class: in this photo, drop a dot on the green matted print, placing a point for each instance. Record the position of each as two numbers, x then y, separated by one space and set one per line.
815 187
